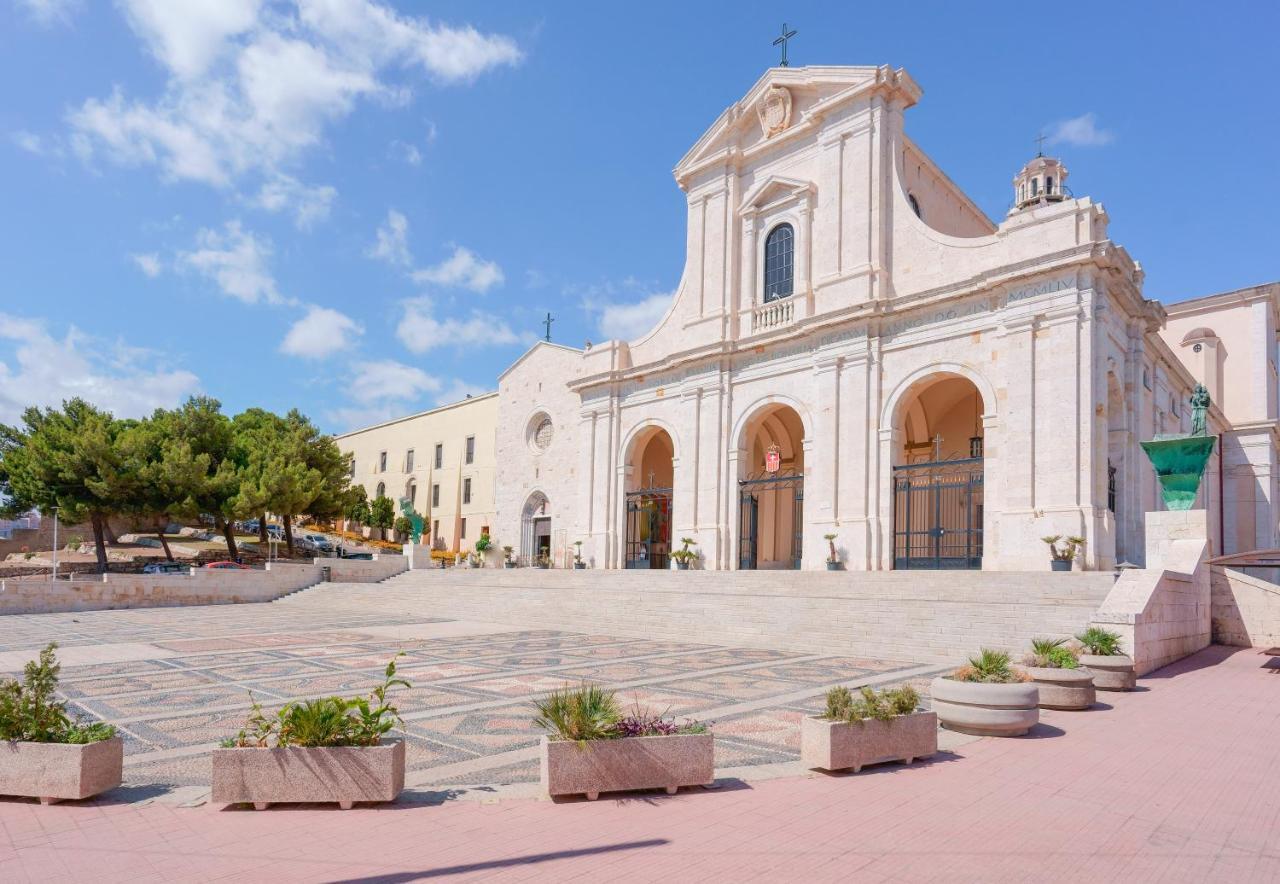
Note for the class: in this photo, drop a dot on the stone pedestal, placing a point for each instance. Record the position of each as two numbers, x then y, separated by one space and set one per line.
418 555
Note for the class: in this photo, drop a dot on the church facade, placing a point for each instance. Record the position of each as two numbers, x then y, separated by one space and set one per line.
858 360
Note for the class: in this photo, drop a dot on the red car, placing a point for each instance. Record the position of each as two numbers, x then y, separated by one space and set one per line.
232 566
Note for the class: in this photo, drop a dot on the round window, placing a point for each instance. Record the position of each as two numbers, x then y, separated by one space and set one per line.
541 432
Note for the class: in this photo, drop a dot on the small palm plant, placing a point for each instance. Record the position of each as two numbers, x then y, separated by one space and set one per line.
587 712
1100 642
990 667
1052 653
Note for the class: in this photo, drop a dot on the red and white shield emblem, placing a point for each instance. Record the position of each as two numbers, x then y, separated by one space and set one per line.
772 459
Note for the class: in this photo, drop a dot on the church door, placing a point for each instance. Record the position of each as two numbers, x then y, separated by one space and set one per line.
937 515
771 507
649 528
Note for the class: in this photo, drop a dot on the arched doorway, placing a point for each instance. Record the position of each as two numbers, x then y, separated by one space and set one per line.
938 476
771 490
650 481
535 529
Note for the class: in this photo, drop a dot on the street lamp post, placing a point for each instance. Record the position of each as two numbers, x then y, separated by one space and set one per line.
55 543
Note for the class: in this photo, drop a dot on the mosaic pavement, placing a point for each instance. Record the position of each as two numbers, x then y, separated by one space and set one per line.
176 680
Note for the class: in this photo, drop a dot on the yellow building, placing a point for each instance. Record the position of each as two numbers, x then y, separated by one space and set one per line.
442 460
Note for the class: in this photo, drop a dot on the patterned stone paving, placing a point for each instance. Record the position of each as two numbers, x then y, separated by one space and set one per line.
468 715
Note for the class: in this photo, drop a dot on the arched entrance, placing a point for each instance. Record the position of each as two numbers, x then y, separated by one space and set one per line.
771 490
938 475
650 481
535 529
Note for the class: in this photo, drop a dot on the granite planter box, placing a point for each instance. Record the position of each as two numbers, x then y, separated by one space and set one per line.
60 771
1070 689
837 745
595 766
1111 673
986 710
345 774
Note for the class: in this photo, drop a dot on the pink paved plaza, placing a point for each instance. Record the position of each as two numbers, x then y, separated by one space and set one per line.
1179 781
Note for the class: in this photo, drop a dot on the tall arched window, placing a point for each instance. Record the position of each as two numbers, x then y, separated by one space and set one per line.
382 490
779 262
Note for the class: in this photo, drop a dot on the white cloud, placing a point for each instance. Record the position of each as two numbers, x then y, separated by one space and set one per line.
419 330
309 203
393 240
407 152
28 141
385 379
462 268
148 263
626 322
128 381
253 84
49 12
1081 131
237 261
322 332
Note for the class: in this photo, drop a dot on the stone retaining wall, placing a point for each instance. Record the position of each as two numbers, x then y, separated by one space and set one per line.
916 616
1246 609
200 587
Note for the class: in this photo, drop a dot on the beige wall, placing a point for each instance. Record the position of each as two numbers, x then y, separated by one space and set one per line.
448 426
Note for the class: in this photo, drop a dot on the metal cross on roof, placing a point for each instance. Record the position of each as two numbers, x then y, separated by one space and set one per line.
782 41
1040 140
547 322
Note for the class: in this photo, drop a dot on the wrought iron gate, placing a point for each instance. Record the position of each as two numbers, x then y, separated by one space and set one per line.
937 515
773 489
649 528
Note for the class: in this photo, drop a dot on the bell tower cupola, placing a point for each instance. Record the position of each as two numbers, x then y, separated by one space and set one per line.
1043 180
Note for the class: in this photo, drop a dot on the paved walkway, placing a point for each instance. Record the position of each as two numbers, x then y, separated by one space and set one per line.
175 681
1177 782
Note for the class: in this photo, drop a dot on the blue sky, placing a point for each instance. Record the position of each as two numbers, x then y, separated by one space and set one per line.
363 209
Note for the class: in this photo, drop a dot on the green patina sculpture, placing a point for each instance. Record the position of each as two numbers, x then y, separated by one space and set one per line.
1179 460
406 510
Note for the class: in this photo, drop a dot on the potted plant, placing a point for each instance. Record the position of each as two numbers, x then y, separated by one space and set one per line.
987 697
578 563
1060 559
873 727
543 561
507 560
321 750
591 747
833 558
684 556
46 753
483 547
1056 670
1112 670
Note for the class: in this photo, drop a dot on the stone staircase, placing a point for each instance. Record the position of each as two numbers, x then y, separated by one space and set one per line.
910 616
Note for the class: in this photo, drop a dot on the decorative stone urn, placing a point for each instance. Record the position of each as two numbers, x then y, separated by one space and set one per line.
839 745
60 771
986 710
589 768
1111 673
1070 689
296 774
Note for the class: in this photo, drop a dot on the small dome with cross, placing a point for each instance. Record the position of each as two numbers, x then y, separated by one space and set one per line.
1043 180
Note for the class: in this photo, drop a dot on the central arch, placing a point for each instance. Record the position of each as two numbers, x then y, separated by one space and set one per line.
535 529
771 488
648 498
938 476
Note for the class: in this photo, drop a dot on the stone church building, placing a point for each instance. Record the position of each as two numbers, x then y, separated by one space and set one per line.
856 351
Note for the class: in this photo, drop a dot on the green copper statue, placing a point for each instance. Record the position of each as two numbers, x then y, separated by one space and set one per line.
1179 460
406 510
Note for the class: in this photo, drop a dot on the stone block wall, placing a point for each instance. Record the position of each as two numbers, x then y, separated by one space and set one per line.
1246 609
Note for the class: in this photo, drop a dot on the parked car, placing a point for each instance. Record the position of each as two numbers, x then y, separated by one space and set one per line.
251 526
165 568
226 566
356 555
275 532
318 542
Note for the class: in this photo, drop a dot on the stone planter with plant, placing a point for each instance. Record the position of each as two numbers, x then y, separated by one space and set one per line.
46 753
1060 558
1112 669
1062 681
578 563
591 747
833 558
868 729
987 697
542 561
330 749
685 555
507 557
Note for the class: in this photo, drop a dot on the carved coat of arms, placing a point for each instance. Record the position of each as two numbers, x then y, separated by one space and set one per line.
774 110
